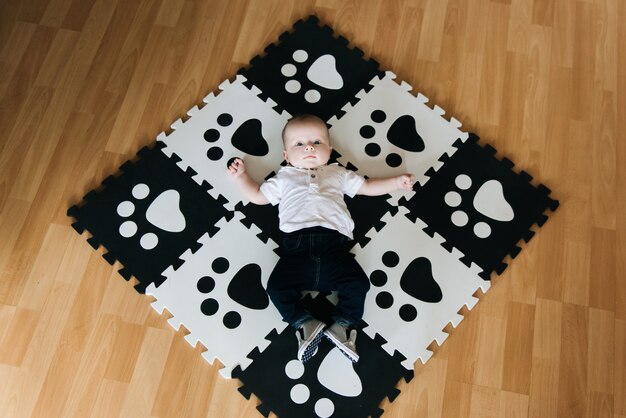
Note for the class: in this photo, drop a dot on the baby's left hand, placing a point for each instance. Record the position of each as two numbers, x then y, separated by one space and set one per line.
405 181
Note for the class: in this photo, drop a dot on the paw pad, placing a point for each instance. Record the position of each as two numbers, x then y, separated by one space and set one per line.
322 72
336 373
488 201
245 288
417 281
247 138
166 203
402 133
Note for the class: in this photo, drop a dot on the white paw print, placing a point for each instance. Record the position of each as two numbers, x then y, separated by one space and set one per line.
323 72
335 373
163 212
489 201
300 392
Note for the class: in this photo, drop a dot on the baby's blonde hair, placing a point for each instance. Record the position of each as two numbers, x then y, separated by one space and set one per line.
304 117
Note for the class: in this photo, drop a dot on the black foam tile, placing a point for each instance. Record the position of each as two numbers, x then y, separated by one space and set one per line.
328 382
128 204
480 205
316 64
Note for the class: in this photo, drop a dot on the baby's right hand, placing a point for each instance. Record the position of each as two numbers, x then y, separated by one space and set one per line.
236 168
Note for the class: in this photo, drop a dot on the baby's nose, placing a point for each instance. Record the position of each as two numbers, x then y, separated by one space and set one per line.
309 147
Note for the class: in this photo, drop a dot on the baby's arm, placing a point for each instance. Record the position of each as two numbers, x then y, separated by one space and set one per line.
377 187
248 187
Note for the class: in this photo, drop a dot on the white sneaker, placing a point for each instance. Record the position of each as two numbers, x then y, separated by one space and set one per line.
309 337
345 342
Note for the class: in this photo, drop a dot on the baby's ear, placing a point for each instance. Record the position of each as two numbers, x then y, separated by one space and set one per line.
285 155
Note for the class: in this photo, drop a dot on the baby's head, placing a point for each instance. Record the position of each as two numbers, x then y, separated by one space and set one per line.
306 142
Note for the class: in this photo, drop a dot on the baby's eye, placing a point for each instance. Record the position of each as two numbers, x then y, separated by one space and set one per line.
298 144
317 142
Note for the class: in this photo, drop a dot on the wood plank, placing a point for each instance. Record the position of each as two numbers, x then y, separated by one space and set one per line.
197 376
490 359
619 397
66 367
431 37
518 348
485 402
513 405
601 360
22 386
604 162
544 385
457 399
18 336
573 376
143 387
602 292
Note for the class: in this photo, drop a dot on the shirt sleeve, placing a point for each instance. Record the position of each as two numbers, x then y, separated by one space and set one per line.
352 182
272 189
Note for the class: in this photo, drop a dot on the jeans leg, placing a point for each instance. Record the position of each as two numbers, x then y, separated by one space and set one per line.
286 299
342 273
293 273
352 290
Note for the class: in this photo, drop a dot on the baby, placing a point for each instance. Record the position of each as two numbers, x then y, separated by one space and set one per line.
316 224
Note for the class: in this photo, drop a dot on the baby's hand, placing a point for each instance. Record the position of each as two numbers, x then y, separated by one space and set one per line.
236 168
405 181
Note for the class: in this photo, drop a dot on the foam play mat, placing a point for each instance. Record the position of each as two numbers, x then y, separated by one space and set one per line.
173 218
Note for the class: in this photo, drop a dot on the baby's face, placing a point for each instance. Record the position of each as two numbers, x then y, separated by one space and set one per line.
307 144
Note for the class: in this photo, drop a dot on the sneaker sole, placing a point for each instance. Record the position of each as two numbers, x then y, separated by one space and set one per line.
308 348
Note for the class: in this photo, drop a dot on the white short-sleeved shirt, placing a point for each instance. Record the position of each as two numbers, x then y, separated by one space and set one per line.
313 197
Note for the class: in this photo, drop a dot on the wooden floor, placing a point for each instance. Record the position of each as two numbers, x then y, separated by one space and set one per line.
86 83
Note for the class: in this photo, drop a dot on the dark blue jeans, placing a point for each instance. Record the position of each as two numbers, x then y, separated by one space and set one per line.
317 259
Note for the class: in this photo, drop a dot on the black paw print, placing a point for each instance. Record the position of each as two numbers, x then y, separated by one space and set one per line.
417 281
402 133
245 288
247 138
